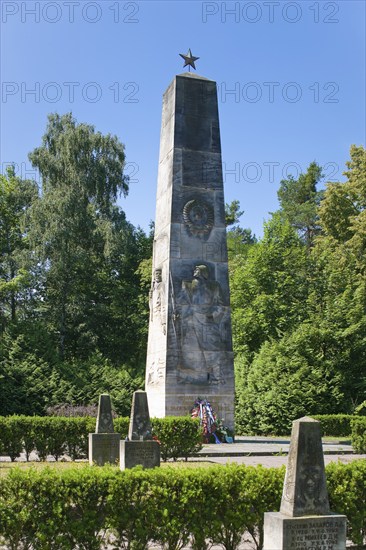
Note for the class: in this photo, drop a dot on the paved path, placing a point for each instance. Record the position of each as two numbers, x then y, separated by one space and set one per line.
269 451
271 461
262 446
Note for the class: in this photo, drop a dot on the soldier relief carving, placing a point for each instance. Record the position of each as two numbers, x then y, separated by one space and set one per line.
157 300
198 218
199 322
155 371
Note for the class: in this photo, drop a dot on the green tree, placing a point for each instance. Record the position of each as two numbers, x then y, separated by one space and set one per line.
233 213
75 272
238 238
16 197
268 286
299 201
342 213
299 312
88 251
291 378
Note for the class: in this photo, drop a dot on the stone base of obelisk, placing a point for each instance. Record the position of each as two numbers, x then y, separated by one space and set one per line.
104 449
304 533
139 453
180 404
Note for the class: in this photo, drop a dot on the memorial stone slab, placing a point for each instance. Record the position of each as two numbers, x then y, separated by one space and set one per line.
139 449
104 449
104 418
139 453
190 343
304 533
305 521
104 444
140 425
305 489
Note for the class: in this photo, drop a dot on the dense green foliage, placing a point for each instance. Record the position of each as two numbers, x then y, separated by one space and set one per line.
179 437
161 506
358 425
338 425
299 305
73 305
347 495
30 384
82 508
16 197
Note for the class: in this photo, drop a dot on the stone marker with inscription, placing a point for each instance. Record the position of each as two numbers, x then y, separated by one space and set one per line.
139 448
305 521
104 444
190 344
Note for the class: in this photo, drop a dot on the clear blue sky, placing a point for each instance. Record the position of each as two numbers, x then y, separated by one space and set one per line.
295 70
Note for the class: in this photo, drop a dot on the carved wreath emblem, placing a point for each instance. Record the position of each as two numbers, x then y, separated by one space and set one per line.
198 218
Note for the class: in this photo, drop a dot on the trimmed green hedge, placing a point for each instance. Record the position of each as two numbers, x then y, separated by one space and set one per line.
359 434
82 508
180 437
347 495
338 425
47 435
56 435
89 507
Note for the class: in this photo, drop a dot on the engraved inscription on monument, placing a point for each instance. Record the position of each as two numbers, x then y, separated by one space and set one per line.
139 453
315 535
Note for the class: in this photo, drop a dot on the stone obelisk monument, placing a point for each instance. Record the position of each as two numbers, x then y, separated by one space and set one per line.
190 344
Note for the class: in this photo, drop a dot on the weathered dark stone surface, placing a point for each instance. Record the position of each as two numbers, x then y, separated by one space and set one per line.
139 449
140 425
104 418
305 489
104 449
190 344
139 453
305 521
104 444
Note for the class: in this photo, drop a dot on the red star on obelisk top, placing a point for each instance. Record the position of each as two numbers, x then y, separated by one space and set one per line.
189 60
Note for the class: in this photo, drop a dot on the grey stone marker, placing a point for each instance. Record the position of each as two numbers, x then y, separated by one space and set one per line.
140 448
104 444
305 521
190 344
